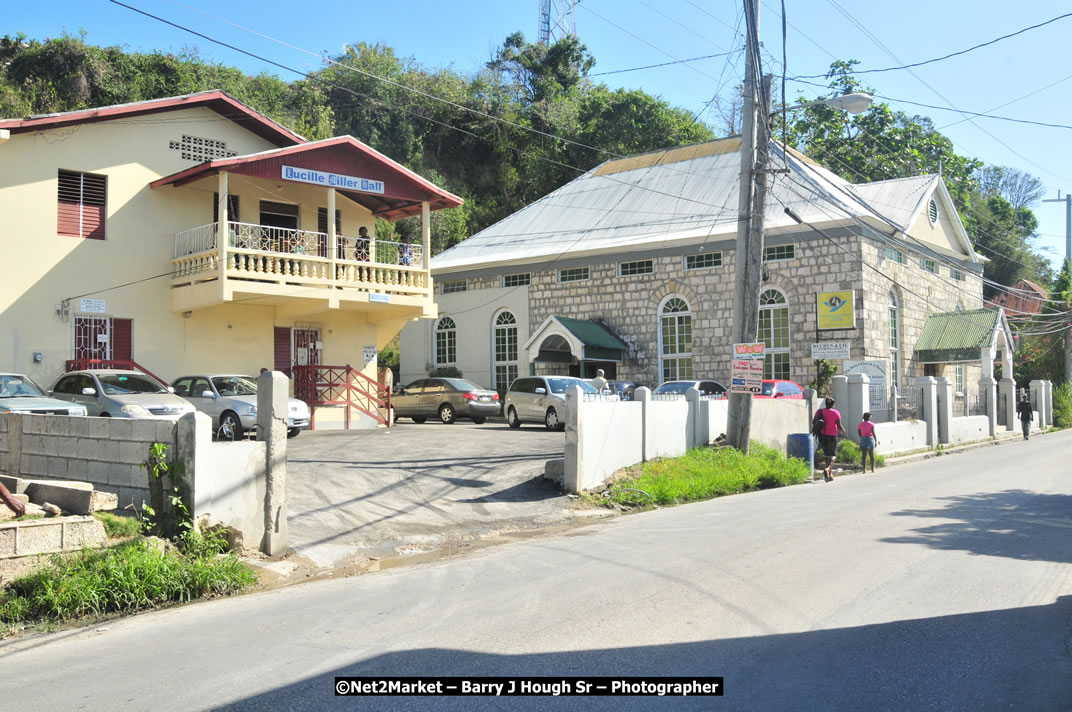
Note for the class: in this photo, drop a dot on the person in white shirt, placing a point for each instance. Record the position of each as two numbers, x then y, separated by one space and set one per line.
599 383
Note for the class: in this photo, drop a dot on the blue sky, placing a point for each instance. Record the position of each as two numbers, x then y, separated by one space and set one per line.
623 34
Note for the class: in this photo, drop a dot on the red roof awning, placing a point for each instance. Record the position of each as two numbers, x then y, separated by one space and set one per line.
403 191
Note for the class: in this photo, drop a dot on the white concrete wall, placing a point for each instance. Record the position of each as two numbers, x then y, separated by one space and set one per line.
968 428
613 438
717 418
774 418
667 428
232 491
904 436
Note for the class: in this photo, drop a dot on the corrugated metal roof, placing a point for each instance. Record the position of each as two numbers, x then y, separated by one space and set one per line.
591 333
897 199
685 195
956 336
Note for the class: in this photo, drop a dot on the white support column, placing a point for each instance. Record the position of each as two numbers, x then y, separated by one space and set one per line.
333 252
693 439
1049 402
223 227
426 233
1007 394
840 391
857 404
988 390
928 401
272 389
944 409
1038 401
643 394
572 460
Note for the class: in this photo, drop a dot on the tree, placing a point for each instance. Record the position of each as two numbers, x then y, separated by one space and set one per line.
1042 355
1020 188
1004 234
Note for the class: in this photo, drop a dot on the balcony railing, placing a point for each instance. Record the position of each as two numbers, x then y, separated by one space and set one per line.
264 253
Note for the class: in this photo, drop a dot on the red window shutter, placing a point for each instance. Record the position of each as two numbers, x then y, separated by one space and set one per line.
122 343
282 348
82 203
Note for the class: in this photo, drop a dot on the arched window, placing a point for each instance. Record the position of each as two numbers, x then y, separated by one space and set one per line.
895 342
675 340
446 342
504 337
774 333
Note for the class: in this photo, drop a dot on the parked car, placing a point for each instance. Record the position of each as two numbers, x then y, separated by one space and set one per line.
537 398
779 388
19 394
622 389
707 388
114 393
231 401
445 398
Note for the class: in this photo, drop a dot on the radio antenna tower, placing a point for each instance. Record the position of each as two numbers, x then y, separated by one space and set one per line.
556 20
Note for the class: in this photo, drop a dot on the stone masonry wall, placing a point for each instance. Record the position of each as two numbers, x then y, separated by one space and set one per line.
107 452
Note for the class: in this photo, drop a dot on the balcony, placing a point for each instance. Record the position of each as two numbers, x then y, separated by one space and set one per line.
270 265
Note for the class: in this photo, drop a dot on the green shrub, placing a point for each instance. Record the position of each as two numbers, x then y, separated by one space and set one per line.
117 527
131 576
1062 406
710 472
848 451
445 372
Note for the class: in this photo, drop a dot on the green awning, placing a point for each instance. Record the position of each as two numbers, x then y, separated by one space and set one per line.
959 336
599 343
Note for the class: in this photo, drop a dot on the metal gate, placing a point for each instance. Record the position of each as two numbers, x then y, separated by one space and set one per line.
306 347
93 337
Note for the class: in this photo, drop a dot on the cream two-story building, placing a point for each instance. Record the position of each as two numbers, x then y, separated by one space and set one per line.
194 234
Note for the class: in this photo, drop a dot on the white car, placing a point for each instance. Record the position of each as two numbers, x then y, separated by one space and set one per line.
114 393
540 399
231 401
19 394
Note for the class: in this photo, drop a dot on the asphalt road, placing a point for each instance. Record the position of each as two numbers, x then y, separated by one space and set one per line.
940 585
413 487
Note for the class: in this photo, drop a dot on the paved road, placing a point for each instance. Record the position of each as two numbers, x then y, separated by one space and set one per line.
941 585
415 487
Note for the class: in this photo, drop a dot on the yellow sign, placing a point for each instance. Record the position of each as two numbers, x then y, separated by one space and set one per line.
836 310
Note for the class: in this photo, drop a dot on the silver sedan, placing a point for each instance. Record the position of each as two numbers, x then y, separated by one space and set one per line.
231 401
114 393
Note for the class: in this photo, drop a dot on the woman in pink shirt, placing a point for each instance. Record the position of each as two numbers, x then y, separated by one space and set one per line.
828 436
868 441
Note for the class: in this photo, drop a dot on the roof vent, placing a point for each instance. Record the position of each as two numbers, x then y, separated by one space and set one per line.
932 211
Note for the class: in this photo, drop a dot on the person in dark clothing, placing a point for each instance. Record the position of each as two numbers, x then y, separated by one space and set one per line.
1027 414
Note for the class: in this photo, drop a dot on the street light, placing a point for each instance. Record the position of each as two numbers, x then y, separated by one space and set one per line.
748 255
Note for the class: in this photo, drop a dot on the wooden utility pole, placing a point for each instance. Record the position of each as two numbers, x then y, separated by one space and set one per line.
748 255
1068 263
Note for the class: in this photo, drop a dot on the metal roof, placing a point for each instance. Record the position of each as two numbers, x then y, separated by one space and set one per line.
958 336
591 333
679 196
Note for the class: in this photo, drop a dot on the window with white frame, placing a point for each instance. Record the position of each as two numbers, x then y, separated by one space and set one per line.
895 255
895 342
457 285
928 264
505 339
774 333
958 375
775 253
956 274
573 274
627 269
446 342
516 280
675 340
704 260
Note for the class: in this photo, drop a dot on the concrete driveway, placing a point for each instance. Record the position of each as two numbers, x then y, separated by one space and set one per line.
413 488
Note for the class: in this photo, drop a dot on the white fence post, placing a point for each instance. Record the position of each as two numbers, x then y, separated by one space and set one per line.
1049 402
944 388
272 390
988 390
571 474
1007 394
1038 400
692 420
859 399
643 394
839 390
928 400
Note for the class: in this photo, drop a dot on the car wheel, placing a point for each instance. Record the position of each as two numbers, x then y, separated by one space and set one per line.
446 413
550 419
293 432
419 420
105 415
480 421
511 418
230 427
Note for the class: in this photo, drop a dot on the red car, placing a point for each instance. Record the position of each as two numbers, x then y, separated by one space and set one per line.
778 388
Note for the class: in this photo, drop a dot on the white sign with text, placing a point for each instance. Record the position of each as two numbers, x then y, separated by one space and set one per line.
830 349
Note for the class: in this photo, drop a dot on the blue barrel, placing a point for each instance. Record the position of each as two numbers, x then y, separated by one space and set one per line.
800 445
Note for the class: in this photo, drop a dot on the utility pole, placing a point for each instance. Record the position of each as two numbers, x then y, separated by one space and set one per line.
748 255
1068 263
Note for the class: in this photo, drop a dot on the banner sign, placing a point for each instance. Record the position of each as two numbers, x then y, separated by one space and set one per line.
332 180
836 310
876 371
746 371
830 349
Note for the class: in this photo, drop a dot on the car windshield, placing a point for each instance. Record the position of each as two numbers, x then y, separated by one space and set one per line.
235 385
676 387
559 385
768 388
122 384
460 384
19 387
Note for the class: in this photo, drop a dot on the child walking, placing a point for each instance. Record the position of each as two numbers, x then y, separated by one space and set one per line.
866 430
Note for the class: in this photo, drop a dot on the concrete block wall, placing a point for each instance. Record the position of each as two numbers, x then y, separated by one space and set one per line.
107 452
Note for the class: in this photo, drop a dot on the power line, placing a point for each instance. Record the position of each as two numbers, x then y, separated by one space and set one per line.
661 64
950 55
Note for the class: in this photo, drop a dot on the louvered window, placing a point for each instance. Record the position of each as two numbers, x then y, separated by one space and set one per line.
82 203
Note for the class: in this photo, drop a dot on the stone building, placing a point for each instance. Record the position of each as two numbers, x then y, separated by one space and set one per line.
642 248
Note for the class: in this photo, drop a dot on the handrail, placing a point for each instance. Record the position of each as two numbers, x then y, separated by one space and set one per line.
317 384
87 364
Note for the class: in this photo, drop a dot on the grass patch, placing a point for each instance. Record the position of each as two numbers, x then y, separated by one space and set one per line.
117 527
709 472
131 576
